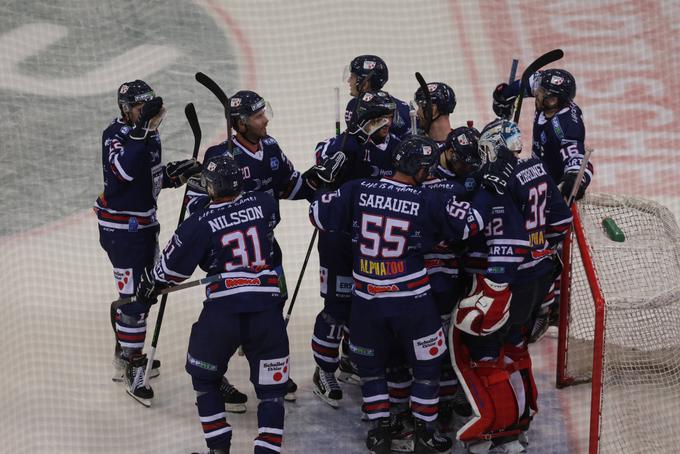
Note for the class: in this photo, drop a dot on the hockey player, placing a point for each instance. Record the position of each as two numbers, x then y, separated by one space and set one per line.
443 101
368 150
503 406
265 169
459 163
233 235
559 132
392 223
369 73
126 213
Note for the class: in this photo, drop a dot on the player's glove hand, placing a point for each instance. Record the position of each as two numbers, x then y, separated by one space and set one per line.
151 110
568 181
147 293
502 104
179 172
497 174
326 173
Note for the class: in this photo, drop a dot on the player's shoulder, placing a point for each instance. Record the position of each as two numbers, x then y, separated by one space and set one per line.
117 127
529 170
216 150
571 115
269 141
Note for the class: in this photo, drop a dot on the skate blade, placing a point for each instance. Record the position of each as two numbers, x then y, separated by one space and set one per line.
332 402
348 378
141 400
290 397
235 408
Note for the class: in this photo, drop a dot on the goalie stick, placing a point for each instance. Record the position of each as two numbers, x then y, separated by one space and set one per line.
192 118
428 104
537 64
215 89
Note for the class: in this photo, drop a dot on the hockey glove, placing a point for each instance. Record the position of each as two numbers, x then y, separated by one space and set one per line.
178 172
150 110
502 105
146 290
498 172
326 173
485 310
568 181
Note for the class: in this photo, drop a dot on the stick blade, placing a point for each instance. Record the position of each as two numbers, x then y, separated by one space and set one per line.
211 85
545 59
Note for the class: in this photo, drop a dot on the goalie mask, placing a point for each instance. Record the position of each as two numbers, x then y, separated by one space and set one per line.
132 93
498 138
222 177
371 113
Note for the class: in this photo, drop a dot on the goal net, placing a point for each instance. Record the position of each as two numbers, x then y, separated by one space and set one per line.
620 322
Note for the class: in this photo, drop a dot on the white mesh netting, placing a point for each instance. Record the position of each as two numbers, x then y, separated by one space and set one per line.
61 64
640 282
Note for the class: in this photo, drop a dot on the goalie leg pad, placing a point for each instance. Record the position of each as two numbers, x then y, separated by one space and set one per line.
518 363
487 386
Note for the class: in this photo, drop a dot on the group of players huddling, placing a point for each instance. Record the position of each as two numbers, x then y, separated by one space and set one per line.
438 253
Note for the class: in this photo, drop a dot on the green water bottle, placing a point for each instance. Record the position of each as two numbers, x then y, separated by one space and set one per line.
613 231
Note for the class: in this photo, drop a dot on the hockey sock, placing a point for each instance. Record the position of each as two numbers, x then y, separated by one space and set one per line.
216 430
270 414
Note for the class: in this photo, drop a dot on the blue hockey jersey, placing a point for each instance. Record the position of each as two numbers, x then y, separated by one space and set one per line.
133 178
233 238
392 225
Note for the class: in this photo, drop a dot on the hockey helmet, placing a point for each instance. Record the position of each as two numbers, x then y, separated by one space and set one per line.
498 138
365 64
441 94
135 92
414 154
559 83
245 103
372 106
464 144
222 176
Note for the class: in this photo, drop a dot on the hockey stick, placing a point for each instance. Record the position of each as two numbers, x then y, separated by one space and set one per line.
190 113
316 232
177 288
215 89
428 103
537 64
513 71
579 176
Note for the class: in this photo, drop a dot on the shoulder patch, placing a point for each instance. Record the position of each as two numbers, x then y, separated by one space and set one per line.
269 141
125 130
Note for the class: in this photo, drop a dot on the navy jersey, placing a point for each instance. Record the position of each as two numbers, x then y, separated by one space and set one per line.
392 225
401 126
133 178
265 170
546 215
558 141
233 238
369 160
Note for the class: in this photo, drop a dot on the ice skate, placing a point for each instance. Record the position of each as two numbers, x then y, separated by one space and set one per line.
348 372
378 440
429 441
291 387
326 387
234 400
120 364
134 379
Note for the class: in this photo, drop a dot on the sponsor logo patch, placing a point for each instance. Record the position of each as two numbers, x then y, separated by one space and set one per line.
323 279
344 284
273 371
375 289
201 364
124 280
430 346
233 282
274 163
363 351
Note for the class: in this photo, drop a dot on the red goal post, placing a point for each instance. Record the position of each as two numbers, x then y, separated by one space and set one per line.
620 322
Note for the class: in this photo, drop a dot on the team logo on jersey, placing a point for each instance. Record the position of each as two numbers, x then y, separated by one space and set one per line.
430 346
556 80
470 184
125 130
369 64
273 371
235 102
274 163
